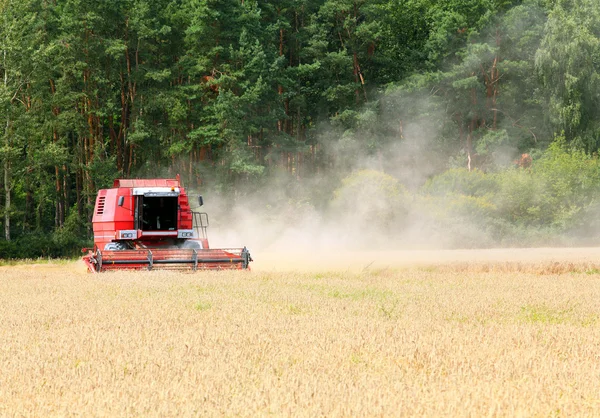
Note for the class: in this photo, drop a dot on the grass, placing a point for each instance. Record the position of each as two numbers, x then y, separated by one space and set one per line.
444 341
35 261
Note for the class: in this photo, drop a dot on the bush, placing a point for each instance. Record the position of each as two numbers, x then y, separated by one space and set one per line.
522 198
553 202
454 220
461 181
370 199
58 244
572 180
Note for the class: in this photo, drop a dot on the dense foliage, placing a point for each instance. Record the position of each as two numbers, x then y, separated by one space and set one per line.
443 96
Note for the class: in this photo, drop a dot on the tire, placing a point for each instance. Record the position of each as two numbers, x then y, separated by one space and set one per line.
115 246
192 244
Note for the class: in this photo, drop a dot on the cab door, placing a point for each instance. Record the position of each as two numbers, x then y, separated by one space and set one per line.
138 215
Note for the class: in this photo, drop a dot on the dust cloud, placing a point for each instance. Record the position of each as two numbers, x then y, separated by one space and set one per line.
304 239
366 204
366 212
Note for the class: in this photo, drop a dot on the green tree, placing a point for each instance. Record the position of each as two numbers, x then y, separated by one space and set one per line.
19 47
488 97
568 63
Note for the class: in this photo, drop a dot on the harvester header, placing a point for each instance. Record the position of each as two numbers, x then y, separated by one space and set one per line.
149 223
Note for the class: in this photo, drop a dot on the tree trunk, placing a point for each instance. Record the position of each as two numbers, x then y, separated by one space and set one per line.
7 186
7 199
59 217
78 191
472 128
59 209
495 81
280 123
359 78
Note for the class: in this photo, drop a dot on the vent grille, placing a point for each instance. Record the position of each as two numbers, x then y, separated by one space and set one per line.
100 208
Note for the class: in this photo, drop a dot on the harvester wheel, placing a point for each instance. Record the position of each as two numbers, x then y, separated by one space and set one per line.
192 244
116 246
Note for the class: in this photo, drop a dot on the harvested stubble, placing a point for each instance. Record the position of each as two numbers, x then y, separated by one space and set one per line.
439 341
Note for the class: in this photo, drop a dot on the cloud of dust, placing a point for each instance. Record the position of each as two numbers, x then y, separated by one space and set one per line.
373 196
371 204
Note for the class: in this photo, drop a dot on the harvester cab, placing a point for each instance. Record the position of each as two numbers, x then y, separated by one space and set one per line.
148 224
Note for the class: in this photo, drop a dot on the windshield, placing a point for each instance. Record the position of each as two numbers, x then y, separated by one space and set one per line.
157 213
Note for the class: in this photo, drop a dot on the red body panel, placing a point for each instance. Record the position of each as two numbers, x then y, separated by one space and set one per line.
109 217
131 183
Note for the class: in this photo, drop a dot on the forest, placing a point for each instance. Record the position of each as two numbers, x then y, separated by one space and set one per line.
473 122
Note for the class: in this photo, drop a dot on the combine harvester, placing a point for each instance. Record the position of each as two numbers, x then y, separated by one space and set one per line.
149 224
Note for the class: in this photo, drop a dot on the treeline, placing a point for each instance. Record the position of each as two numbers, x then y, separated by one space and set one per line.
229 93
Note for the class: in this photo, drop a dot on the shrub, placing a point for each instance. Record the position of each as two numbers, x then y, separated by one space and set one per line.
461 181
454 220
371 199
522 198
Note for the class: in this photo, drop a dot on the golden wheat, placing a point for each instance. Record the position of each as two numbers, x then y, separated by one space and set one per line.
484 340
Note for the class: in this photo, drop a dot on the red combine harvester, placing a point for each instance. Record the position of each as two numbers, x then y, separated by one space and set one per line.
148 224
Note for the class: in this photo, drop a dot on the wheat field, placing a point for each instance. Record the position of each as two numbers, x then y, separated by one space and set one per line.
486 338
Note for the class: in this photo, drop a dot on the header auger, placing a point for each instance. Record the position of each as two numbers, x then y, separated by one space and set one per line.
149 224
